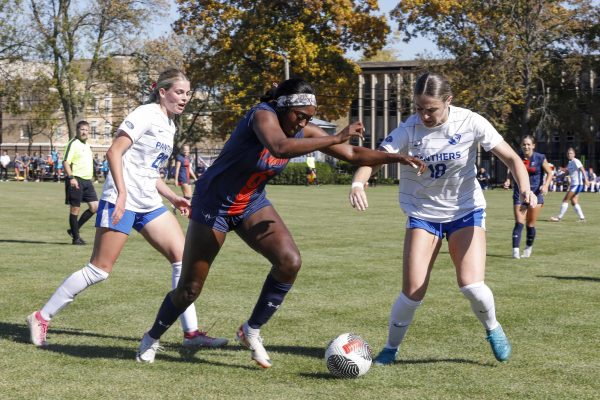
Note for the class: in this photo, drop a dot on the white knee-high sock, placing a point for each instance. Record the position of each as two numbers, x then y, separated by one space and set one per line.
579 211
76 283
482 303
563 209
402 314
189 320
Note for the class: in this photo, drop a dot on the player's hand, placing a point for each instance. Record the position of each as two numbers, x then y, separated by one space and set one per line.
358 197
183 205
529 199
414 162
119 208
74 183
355 129
544 190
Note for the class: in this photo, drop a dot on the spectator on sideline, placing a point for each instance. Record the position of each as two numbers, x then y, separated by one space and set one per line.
97 168
230 196
484 178
105 167
18 165
591 175
4 162
445 201
311 170
79 167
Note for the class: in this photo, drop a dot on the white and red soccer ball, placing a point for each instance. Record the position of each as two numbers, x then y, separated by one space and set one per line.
348 356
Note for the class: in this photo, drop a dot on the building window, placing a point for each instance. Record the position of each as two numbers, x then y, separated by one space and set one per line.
107 131
24 131
96 105
107 104
58 132
94 129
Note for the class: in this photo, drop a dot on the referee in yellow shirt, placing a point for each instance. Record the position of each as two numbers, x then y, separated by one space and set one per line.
79 169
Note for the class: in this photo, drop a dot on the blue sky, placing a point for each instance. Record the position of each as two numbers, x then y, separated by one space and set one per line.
404 51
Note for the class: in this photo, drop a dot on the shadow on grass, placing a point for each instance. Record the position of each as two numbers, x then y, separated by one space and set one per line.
20 333
32 242
571 278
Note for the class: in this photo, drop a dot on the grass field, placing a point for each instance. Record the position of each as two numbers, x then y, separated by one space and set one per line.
549 306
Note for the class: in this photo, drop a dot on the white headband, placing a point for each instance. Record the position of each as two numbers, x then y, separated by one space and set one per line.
297 100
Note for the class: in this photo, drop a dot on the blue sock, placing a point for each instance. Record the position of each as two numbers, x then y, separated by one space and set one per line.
167 315
517 234
530 235
270 299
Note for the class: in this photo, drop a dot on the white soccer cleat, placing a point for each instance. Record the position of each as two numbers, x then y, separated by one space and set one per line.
201 339
555 219
254 343
516 253
38 328
527 252
147 350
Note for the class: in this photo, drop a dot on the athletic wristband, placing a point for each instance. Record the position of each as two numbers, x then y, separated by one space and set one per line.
70 177
358 185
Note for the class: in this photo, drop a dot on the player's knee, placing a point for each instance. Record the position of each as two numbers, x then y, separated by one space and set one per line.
186 294
289 264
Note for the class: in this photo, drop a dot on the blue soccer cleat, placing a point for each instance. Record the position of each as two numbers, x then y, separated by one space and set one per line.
500 344
386 357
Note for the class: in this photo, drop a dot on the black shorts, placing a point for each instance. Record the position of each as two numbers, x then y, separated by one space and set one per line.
86 192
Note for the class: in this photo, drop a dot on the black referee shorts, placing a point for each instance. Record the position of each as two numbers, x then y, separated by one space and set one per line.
85 194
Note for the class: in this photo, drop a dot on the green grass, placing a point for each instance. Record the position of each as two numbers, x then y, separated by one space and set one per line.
549 306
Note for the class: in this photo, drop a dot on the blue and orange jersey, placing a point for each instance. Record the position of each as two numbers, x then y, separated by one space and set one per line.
535 171
184 169
238 176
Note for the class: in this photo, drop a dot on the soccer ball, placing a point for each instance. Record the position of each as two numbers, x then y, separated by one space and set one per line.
348 356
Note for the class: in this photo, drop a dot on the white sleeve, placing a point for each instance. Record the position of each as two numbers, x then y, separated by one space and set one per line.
396 141
485 133
578 163
136 123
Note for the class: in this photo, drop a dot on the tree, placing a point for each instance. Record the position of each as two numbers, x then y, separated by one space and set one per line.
14 38
68 30
501 51
239 46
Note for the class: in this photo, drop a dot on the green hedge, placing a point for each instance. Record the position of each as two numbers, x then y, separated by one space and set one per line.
295 174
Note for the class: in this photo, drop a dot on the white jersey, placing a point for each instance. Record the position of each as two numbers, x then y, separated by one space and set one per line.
448 189
575 172
152 134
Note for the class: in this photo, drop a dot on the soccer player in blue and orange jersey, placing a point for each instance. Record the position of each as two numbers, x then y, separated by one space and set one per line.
230 196
536 165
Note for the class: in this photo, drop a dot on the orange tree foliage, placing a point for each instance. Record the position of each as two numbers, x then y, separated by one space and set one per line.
236 43
502 51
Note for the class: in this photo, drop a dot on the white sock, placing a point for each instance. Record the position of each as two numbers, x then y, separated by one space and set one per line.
402 314
579 211
563 209
76 283
482 303
189 320
248 331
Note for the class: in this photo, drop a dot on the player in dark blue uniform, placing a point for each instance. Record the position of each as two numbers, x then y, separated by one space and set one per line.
230 196
536 165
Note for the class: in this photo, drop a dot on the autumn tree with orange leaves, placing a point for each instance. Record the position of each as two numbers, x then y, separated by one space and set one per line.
237 44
